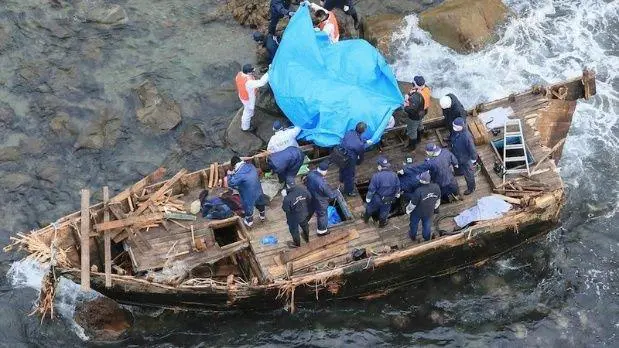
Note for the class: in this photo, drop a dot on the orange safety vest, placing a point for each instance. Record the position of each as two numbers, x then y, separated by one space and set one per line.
427 96
335 36
241 82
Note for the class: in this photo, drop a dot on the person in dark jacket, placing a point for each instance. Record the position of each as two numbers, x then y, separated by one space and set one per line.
345 5
286 163
452 109
422 205
279 10
463 147
414 111
355 147
244 178
322 194
269 42
440 163
296 205
383 190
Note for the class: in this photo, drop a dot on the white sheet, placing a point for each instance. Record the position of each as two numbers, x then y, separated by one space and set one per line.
496 117
487 208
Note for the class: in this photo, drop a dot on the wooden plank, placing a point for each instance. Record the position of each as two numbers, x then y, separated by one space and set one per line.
131 220
161 191
179 216
107 240
85 240
290 255
140 185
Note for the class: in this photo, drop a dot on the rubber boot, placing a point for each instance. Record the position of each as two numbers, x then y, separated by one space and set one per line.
366 218
412 144
382 223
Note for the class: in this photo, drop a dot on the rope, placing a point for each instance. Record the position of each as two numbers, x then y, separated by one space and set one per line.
448 233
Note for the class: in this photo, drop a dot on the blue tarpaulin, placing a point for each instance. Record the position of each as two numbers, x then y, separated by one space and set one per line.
326 89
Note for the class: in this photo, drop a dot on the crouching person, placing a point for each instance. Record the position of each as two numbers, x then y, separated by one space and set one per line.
296 205
383 190
422 205
244 178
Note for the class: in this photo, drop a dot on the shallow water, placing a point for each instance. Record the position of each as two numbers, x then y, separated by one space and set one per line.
561 291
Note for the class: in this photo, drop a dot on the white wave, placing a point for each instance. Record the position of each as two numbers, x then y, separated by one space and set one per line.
29 274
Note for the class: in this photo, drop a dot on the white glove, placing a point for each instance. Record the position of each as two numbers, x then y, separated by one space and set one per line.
456 166
397 195
346 8
369 142
368 200
229 172
290 14
284 193
473 161
401 171
410 207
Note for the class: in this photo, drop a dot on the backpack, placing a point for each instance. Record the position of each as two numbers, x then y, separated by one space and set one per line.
340 156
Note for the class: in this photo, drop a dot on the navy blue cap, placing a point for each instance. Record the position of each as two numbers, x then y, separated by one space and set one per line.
382 161
419 81
424 177
277 125
324 165
459 122
248 68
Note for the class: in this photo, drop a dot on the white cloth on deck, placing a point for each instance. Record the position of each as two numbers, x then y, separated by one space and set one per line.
487 208
496 118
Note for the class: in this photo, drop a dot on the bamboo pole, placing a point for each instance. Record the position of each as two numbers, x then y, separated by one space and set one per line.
85 240
107 239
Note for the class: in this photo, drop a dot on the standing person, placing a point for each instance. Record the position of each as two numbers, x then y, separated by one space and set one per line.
286 163
327 22
419 85
452 109
244 178
414 112
296 205
246 86
354 147
279 9
463 147
422 205
283 137
440 162
344 5
383 190
322 194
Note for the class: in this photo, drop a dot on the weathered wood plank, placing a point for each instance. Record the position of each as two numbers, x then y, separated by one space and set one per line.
85 240
290 255
107 241
131 220
160 192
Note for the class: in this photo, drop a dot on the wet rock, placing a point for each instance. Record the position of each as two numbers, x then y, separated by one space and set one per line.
101 132
400 322
32 76
5 35
464 25
13 181
101 12
102 319
63 126
193 138
243 143
157 112
397 7
55 29
31 145
9 154
346 25
48 172
378 30
7 115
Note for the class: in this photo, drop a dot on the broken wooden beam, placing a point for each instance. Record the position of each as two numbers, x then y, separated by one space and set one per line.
131 220
290 255
160 192
139 186
179 216
107 240
85 240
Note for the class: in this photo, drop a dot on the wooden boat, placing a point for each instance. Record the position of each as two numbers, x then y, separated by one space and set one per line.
141 247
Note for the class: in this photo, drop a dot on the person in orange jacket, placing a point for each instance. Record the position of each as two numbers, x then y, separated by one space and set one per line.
327 22
247 86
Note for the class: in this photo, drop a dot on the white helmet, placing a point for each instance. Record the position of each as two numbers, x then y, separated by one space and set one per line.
445 102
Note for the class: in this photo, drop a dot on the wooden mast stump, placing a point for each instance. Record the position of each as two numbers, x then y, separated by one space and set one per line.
107 239
85 240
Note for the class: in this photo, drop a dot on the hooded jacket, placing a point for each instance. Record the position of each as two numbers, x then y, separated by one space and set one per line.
245 180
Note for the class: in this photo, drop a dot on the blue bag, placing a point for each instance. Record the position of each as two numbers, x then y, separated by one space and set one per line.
333 216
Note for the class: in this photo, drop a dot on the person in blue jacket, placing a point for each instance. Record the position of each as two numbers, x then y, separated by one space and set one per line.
409 177
296 205
286 163
355 147
422 206
269 42
279 10
440 163
244 178
463 147
322 194
383 190
345 5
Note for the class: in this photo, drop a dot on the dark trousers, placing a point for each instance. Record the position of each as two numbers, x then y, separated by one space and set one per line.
468 171
293 226
275 17
347 176
376 206
426 221
413 128
249 213
322 220
451 188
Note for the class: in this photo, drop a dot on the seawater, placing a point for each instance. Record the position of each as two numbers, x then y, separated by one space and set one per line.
560 291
